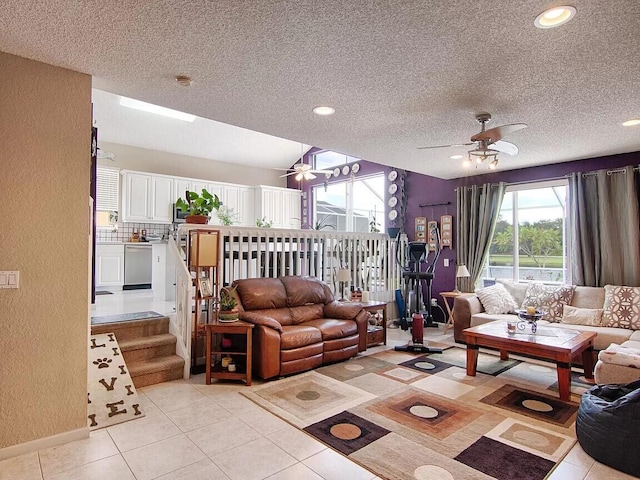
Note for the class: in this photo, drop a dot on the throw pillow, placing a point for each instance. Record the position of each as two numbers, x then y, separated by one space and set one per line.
495 299
549 298
621 307
581 316
516 289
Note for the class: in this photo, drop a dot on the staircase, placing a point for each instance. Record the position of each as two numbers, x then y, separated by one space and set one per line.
148 348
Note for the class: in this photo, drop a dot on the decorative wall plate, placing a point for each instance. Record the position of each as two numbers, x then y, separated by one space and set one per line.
336 171
393 201
392 175
393 214
355 168
345 170
393 188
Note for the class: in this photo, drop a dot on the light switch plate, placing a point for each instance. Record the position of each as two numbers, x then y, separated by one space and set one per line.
446 262
9 279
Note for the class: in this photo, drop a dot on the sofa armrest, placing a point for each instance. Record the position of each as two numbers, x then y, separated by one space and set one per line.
350 311
260 319
464 307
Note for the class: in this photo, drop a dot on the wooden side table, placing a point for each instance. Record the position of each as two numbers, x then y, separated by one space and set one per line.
241 335
446 296
376 333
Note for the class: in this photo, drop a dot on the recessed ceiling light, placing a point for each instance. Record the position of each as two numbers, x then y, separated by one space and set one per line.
324 111
631 123
158 110
554 17
455 157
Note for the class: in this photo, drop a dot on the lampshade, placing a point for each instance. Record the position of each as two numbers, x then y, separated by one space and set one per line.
343 275
462 271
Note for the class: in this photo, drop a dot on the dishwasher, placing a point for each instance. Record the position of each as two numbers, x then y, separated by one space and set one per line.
137 267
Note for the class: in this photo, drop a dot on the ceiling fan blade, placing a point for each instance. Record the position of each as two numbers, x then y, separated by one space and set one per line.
446 146
308 175
496 133
505 147
286 174
324 172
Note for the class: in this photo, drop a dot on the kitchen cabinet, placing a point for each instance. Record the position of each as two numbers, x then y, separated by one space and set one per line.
281 206
240 198
147 198
109 265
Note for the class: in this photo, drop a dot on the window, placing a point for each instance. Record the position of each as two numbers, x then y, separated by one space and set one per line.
351 206
327 160
107 192
530 241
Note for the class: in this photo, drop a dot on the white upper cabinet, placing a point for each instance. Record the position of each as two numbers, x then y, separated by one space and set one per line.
280 206
147 198
240 199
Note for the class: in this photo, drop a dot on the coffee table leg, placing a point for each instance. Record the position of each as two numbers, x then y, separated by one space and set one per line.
587 363
472 359
564 380
504 355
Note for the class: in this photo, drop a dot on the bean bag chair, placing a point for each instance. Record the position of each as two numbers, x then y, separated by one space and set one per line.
608 423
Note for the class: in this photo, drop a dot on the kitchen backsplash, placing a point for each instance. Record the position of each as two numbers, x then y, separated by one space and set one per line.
125 230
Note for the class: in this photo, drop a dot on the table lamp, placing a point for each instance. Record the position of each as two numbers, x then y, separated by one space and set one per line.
343 275
461 272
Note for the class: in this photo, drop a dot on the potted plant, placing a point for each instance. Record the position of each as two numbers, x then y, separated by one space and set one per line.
198 207
228 305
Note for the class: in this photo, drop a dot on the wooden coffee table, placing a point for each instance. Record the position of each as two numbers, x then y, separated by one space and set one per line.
561 348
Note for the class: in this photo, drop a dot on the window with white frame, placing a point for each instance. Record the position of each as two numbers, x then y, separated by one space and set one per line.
530 240
327 160
355 205
107 193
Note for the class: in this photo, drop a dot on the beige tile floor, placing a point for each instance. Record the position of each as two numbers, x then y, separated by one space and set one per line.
186 435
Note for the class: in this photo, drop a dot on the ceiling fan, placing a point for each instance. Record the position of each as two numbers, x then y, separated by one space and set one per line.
489 142
303 171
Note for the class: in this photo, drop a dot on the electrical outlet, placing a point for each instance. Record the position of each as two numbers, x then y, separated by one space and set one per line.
446 262
434 302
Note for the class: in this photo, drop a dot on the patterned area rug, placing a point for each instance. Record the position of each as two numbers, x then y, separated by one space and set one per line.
406 416
112 398
124 317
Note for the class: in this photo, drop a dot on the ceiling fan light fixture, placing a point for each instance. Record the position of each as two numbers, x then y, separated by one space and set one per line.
494 164
323 111
467 162
299 176
554 17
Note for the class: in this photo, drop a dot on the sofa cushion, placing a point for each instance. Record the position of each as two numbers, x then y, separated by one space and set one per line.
605 336
261 293
296 336
333 328
621 307
549 298
280 315
581 316
305 313
588 297
517 290
305 290
495 299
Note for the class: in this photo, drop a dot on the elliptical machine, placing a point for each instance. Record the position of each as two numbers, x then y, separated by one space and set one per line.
414 277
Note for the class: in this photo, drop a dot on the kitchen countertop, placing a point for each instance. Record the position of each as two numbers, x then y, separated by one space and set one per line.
156 242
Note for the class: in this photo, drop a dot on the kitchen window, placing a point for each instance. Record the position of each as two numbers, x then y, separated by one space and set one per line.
107 194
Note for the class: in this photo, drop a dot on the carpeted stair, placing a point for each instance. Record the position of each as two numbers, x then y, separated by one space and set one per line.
148 348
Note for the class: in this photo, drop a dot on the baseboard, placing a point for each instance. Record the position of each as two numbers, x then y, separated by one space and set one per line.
42 443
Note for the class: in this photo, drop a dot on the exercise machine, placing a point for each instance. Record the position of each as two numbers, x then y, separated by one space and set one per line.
415 276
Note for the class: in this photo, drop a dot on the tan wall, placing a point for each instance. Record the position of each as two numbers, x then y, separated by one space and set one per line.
144 160
45 143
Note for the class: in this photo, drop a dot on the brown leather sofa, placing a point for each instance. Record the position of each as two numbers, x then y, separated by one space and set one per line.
298 324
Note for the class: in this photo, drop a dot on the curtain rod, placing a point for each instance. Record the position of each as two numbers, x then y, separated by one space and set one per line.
433 204
609 172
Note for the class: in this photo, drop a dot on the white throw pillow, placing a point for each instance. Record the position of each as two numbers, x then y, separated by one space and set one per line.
581 316
517 290
495 299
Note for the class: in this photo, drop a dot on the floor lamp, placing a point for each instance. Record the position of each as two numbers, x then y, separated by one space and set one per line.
343 275
461 272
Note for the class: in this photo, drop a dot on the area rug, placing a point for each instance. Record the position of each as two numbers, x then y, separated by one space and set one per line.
124 317
111 397
405 416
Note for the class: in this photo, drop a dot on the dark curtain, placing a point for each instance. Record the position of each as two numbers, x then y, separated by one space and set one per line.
604 223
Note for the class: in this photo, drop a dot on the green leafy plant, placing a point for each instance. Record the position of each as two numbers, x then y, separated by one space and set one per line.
263 222
227 299
202 204
226 215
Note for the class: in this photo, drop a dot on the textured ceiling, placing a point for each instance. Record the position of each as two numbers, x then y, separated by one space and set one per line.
401 74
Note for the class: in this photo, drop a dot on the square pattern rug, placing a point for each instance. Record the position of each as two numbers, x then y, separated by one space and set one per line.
111 397
422 417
